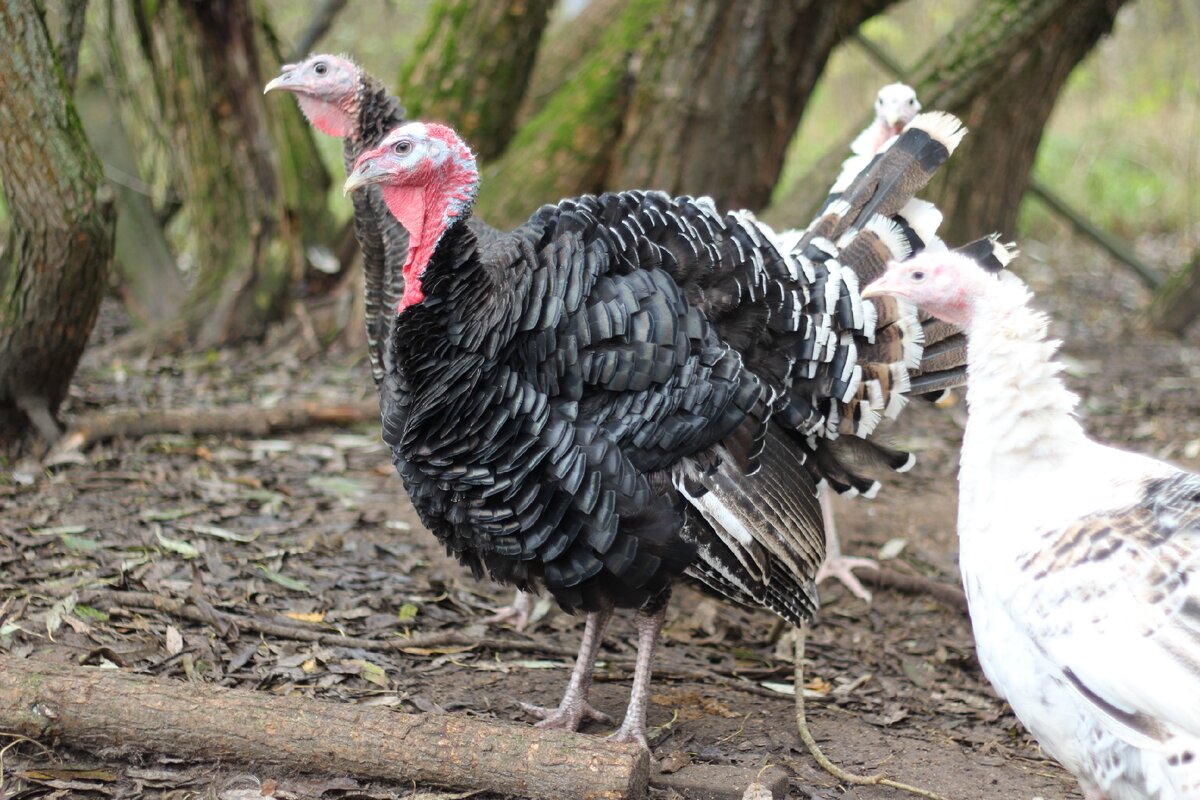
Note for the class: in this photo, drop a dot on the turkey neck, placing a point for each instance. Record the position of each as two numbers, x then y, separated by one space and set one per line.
376 113
1020 410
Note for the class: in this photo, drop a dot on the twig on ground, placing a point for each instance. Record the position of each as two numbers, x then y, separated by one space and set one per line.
240 419
225 622
815 750
919 585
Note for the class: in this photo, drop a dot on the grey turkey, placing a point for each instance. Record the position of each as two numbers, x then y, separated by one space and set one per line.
341 99
632 388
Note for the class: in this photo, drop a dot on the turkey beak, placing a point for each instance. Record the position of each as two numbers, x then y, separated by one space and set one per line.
886 285
286 73
365 173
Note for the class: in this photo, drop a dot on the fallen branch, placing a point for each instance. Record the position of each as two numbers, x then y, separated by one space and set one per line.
247 419
811 743
108 709
919 585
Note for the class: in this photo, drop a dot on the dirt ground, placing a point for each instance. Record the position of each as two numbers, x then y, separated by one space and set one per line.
313 531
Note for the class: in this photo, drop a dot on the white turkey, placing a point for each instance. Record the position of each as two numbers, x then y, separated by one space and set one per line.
1079 560
632 388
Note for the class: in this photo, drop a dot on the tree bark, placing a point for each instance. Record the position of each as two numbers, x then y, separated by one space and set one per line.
112 710
471 67
72 17
566 148
250 181
1001 72
564 44
52 270
719 94
1176 305
689 96
1018 55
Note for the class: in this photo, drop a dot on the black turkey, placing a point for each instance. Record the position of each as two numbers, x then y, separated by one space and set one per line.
632 387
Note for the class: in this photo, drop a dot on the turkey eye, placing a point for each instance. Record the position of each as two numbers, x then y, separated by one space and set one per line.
320 68
402 148
918 276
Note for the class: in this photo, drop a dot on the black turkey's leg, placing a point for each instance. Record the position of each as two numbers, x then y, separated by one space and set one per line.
633 728
835 564
575 707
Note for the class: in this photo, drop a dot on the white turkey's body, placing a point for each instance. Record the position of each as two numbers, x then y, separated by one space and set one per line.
1071 610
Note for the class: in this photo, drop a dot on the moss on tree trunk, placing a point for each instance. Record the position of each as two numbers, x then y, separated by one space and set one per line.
691 96
566 148
471 67
1000 71
52 270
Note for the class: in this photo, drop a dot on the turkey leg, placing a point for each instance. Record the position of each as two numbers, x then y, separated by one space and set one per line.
633 728
835 564
575 707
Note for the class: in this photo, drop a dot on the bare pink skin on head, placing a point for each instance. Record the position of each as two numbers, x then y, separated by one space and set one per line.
428 178
944 284
326 88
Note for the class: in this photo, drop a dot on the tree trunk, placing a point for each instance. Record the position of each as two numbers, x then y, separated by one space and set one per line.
566 148
1013 86
1175 306
52 270
248 179
471 66
1001 72
564 44
690 96
719 94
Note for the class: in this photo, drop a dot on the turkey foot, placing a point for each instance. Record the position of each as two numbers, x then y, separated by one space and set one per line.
633 727
841 567
573 710
837 565
517 612
575 707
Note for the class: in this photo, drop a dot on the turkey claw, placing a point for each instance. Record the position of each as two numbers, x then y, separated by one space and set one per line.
567 716
841 568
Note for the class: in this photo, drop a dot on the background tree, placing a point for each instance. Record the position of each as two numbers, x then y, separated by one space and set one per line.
1000 71
699 96
252 186
471 67
53 267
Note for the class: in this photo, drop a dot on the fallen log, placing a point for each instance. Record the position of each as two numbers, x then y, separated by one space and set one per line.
92 708
244 419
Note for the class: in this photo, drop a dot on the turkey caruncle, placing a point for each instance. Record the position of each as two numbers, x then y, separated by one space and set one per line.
633 387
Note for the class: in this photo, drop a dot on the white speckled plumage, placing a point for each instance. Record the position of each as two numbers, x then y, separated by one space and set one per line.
1077 558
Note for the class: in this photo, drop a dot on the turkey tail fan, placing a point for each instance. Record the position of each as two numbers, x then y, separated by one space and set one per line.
892 177
876 347
755 535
